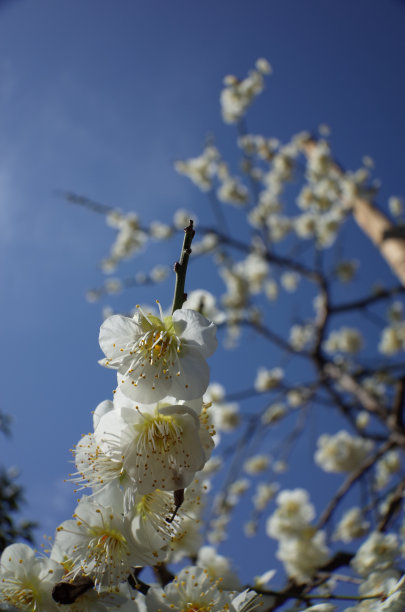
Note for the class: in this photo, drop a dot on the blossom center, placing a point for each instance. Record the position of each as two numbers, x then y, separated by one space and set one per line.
158 433
20 595
108 547
158 345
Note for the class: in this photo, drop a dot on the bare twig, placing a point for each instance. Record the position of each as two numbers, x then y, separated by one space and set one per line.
384 294
180 267
398 406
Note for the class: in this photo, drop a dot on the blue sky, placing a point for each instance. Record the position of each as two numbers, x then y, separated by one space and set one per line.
101 98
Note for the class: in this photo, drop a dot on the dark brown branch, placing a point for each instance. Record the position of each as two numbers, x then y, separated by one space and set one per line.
75 198
67 592
276 339
369 300
374 223
163 575
397 409
292 590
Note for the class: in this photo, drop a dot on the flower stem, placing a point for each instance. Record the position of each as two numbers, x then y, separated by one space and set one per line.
180 267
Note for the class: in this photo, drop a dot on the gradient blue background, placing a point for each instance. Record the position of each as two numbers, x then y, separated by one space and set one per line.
100 98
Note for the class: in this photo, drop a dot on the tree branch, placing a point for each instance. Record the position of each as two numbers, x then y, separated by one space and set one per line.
381 231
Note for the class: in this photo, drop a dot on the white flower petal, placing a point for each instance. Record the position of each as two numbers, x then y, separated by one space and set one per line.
196 330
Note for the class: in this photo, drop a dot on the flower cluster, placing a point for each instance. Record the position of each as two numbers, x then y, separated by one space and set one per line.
141 463
237 95
302 548
341 452
146 465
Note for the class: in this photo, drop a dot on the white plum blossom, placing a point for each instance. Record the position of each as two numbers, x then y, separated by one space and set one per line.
207 244
237 95
328 227
290 280
161 446
218 567
181 218
395 312
260 582
256 464
187 541
352 525
375 589
232 191
26 581
215 393
195 589
212 465
159 356
254 269
113 285
150 514
341 452
395 601
94 466
265 492
218 528
104 544
283 165
271 289
346 270
302 548
344 340
268 379
362 419
301 335
274 412
130 238
88 599
280 466
392 339
237 286
322 607
388 465
278 227
396 206
306 225
298 396
263 65
236 489
160 230
205 303
378 552
225 416
159 273
269 204
302 556
200 170
292 517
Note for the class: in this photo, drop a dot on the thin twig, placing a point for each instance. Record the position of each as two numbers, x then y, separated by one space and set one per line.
369 300
180 267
